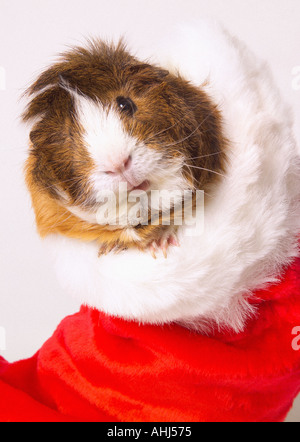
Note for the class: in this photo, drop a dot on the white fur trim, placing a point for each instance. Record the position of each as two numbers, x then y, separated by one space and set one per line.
251 226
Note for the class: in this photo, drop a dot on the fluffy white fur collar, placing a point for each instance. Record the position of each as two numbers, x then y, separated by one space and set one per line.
251 226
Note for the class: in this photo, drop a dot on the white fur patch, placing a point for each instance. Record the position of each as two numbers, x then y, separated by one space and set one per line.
104 136
251 225
108 143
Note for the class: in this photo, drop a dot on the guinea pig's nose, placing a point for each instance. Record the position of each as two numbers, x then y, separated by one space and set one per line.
117 167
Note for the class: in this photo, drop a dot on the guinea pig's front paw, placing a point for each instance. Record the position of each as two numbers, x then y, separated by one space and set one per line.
163 244
104 249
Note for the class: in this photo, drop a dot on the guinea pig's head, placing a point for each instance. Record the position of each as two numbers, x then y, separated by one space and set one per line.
101 117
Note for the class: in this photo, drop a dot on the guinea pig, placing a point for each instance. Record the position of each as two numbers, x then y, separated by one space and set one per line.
101 117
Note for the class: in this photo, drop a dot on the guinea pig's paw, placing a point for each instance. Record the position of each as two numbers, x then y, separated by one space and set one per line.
107 248
163 244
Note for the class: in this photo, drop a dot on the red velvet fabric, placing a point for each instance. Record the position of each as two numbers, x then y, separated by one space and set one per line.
99 368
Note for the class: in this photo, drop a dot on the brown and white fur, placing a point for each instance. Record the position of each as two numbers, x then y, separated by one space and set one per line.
103 117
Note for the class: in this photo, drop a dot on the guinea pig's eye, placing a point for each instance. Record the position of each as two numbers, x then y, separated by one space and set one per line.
126 105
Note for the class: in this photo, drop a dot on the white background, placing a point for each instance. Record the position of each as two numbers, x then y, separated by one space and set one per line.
32 32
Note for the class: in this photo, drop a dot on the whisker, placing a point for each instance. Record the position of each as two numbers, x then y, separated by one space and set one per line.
195 182
60 222
162 131
171 156
208 170
178 121
192 133
204 156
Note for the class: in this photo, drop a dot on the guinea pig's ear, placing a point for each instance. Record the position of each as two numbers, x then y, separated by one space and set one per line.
39 105
48 77
49 95
41 93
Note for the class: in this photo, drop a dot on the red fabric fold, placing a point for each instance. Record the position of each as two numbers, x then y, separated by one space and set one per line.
99 368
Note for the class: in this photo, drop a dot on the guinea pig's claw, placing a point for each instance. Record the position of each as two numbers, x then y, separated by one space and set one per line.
164 247
163 244
153 249
173 241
